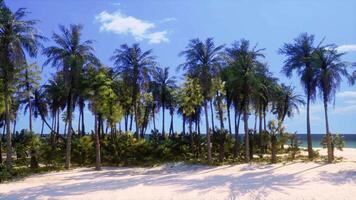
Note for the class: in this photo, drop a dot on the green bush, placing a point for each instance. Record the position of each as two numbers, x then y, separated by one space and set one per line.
26 144
83 150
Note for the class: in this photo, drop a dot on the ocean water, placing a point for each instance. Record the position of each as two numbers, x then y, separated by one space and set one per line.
350 140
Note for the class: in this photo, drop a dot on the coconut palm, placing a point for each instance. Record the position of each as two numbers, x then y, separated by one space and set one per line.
330 71
244 61
203 62
29 81
134 65
70 54
17 36
55 93
299 59
286 102
189 99
164 85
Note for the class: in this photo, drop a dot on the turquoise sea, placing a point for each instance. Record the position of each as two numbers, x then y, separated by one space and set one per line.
350 140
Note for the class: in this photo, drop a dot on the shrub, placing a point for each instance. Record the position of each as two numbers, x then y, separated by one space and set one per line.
83 150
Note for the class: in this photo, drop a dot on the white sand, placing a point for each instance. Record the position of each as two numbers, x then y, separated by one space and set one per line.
177 181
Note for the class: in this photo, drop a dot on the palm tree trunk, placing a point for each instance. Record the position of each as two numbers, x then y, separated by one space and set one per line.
137 122
69 131
58 122
154 119
30 113
8 134
1 149
328 134
131 119
79 122
309 138
14 128
191 134
163 134
83 123
229 119
171 131
237 129
247 145
126 119
221 114
207 132
274 149
42 128
212 116
183 124
97 145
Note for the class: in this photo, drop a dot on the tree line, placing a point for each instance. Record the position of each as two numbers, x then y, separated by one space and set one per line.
224 83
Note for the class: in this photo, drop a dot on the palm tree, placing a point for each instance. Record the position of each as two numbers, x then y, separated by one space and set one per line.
299 59
286 102
55 94
244 62
164 85
29 81
190 98
70 54
134 64
103 104
203 62
330 70
17 36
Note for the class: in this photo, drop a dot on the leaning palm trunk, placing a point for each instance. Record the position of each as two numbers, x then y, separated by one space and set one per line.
97 146
328 134
309 138
8 133
207 132
69 131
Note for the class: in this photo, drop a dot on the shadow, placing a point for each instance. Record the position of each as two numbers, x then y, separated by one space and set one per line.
255 181
339 178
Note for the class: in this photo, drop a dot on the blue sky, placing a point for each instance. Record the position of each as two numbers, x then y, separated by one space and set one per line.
166 26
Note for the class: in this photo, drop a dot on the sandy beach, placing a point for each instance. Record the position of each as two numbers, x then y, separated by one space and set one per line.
179 181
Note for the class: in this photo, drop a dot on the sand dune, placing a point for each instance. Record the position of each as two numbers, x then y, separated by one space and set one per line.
179 181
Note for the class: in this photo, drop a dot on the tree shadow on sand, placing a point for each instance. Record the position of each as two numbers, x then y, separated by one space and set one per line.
257 184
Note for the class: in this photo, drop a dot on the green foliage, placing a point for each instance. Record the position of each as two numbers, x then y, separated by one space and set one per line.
294 144
52 150
26 144
337 142
83 150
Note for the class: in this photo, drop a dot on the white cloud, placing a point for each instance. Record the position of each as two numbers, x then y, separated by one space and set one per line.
119 23
345 109
346 48
347 94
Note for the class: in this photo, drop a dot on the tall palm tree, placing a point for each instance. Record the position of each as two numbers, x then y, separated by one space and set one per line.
135 65
70 54
29 81
203 62
245 62
299 59
190 98
286 102
164 85
55 94
330 71
17 36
